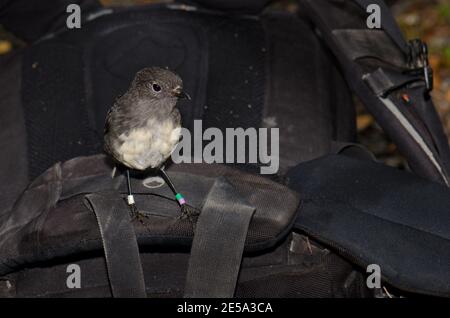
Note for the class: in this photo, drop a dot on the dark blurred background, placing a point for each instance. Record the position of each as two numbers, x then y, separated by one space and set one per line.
425 19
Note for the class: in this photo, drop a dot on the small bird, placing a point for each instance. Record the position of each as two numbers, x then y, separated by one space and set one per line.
143 126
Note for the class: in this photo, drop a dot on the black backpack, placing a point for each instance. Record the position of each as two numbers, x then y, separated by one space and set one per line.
309 231
74 214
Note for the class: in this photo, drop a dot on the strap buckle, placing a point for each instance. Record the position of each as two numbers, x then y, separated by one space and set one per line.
419 63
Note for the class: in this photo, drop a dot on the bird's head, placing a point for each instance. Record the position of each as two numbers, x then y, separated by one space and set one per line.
159 84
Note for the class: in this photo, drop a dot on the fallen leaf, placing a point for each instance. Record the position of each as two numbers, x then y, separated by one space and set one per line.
364 121
5 46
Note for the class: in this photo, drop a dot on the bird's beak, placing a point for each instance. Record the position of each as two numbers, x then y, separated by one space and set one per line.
178 92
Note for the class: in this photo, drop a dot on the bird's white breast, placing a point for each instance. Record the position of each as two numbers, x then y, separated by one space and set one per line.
148 146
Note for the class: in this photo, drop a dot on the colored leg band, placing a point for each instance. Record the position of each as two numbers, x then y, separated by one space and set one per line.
130 199
180 199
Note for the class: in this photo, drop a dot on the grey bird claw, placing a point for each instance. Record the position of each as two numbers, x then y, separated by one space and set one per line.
189 212
136 214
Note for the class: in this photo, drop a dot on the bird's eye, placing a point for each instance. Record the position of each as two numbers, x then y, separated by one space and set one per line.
156 87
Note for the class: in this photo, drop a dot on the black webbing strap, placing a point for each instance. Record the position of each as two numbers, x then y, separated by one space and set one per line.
396 96
388 22
367 43
383 81
218 243
123 262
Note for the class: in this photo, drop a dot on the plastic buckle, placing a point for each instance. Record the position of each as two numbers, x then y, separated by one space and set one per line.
418 61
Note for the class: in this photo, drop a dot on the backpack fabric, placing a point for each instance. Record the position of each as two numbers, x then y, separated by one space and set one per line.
379 215
241 71
52 225
391 76
308 231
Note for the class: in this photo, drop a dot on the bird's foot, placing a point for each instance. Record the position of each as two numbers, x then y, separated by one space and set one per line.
189 212
135 214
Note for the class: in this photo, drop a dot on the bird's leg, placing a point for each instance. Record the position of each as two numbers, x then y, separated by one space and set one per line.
113 172
134 212
130 198
186 210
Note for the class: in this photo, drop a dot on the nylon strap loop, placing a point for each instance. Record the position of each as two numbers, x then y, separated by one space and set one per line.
218 244
123 262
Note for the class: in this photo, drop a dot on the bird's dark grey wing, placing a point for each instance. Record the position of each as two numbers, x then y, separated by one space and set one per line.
177 119
110 113
176 116
108 130
109 116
